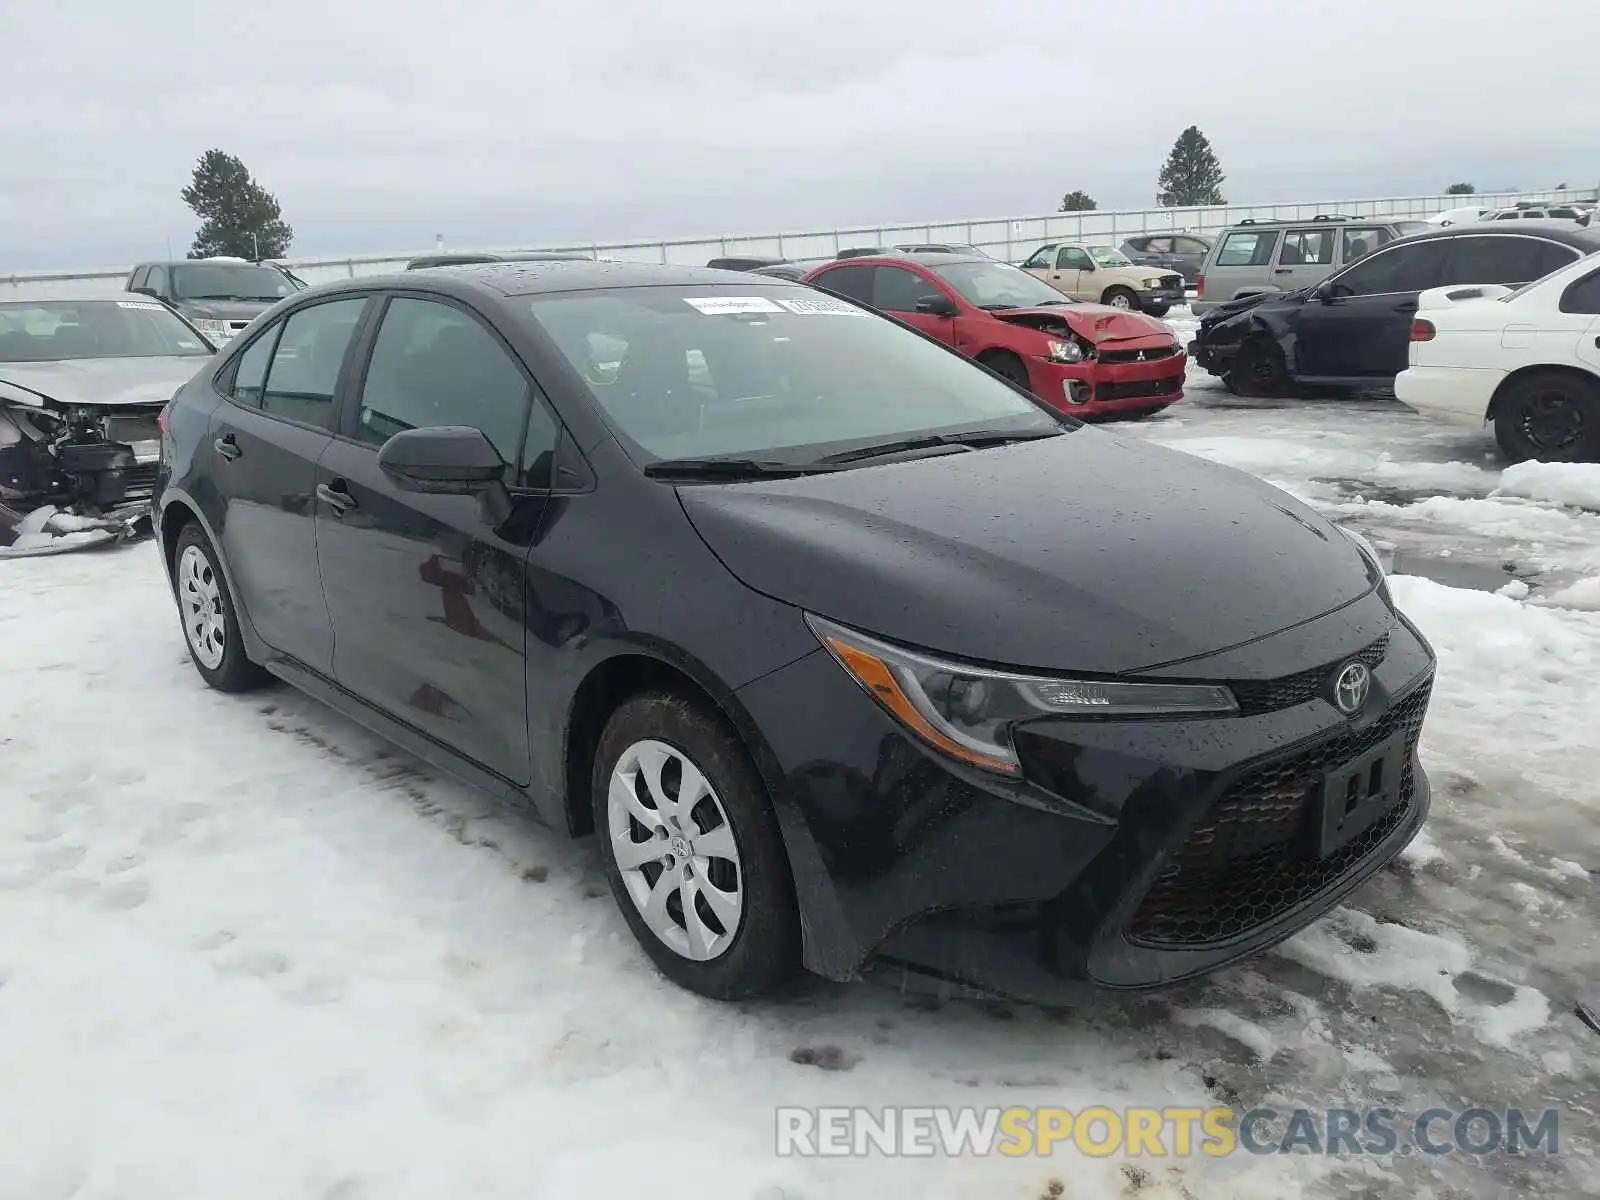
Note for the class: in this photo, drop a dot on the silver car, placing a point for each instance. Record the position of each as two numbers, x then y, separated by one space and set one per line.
1253 257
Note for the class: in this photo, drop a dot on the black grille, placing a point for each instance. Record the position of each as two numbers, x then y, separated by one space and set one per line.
1269 695
1250 860
1172 281
1128 356
1139 387
141 480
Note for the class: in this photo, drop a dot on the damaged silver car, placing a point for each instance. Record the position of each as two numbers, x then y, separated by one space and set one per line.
82 385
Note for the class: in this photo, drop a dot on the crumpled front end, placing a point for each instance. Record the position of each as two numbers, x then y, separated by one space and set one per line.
72 476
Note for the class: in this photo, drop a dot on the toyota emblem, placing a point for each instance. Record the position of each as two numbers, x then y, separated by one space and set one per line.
1351 687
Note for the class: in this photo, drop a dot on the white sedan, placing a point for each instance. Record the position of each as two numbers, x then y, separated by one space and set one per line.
1527 360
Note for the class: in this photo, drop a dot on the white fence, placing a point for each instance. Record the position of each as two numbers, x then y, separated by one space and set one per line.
1008 238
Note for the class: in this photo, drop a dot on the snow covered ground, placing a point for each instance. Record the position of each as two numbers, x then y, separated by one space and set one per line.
246 950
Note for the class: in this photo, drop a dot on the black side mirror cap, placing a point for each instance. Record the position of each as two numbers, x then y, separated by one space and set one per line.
445 460
937 306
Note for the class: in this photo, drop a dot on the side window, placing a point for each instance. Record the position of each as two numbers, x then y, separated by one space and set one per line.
853 282
1358 242
138 277
1073 259
307 360
1583 296
250 371
1187 245
1041 258
539 447
1505 260
898 290
157 282
1397 269
1302 247
433 364
1247 248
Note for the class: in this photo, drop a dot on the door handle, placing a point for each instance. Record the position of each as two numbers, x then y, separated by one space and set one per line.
336 497
1281 270
227 446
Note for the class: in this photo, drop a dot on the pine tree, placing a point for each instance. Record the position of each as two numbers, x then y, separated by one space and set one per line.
1077 201
238 217
1460 189
1192 175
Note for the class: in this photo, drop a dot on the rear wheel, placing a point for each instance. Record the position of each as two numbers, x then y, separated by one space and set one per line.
210 622
1009 366
1121 297
692 849
1259 369
1550 416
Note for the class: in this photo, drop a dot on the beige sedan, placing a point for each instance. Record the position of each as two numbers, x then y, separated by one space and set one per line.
1103 274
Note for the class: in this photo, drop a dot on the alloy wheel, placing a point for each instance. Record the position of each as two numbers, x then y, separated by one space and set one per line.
675 850
204 624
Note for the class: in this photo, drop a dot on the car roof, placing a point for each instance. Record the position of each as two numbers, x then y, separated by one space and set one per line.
1552 229
926 258
530 278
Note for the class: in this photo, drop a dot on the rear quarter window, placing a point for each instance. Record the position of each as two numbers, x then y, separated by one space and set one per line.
1247 248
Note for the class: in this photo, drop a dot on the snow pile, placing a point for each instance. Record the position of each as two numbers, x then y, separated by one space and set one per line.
1573 484
1585 595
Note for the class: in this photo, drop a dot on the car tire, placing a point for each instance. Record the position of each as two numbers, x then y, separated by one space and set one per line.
1259 370
208 617
1009 367
744 939
1551 416
1121 297
1157 310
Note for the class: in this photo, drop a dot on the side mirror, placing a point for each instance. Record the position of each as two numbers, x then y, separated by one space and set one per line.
442 461
1330 292
937 306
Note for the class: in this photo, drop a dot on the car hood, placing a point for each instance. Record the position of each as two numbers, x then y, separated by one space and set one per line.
109 382
1083 552
1229 309
1095 323
224 310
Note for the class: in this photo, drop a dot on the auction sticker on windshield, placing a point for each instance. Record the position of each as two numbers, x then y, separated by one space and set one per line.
721 305
141 304
825 306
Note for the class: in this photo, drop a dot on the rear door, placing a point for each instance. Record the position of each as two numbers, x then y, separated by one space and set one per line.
1067 275
266 441
425 595
1358 324
1582 299
1305 258
1041 262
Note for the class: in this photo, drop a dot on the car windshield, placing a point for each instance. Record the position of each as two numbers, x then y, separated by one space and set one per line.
773 371
229 281
998 285
53 331
1109 256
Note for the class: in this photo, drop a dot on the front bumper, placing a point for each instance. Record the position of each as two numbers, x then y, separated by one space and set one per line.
1459 395
1134 853
1098 387
1169 297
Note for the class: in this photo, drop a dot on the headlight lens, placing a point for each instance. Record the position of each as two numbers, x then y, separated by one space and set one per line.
1067 352
1152 283
967 712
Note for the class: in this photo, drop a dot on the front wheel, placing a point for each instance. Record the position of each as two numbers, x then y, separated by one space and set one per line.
1009 367
692 849
1259 369
1549 416
1121 297
1157 310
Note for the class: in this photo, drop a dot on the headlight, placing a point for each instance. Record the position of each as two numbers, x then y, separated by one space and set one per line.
967 712
1152 283
217 329
1068 352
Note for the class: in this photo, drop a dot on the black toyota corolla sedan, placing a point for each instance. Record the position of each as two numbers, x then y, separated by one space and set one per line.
852 655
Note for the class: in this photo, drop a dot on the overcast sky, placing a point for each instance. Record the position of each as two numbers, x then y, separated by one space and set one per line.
380 123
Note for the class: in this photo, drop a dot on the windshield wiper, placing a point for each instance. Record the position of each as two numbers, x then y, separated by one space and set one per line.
997 307
971 441
728 468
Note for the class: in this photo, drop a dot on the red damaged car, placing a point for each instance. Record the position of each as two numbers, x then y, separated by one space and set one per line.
1085 359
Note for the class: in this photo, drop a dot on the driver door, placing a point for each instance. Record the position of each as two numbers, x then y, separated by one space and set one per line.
1357 325
899 290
